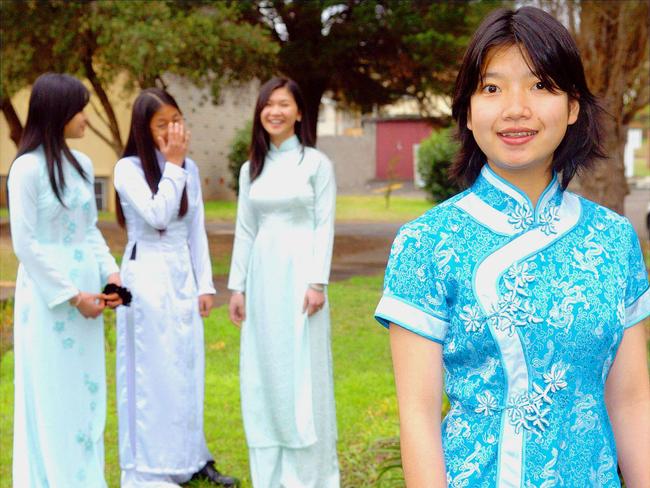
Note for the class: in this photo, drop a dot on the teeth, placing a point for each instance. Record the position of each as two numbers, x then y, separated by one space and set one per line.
518 134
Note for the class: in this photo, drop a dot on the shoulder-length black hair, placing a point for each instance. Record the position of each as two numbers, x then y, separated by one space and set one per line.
260 139
553 57
55 99
142 145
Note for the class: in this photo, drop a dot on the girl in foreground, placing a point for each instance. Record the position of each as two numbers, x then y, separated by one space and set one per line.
60 384
166 265
528 297
280 266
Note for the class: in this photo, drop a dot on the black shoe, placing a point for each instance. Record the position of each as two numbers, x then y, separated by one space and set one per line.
212 474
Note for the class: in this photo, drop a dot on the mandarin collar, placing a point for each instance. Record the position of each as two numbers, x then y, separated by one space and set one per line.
515 204
289 144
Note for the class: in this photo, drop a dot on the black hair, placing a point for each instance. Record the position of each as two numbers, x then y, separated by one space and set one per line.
553 57
55 99
260 138
142 145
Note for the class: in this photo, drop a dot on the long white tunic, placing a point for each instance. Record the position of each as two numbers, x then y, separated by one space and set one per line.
283 242
60 387
160 354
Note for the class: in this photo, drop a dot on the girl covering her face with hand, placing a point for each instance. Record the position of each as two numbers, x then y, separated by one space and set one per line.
166 265
60 385
280 267
526 298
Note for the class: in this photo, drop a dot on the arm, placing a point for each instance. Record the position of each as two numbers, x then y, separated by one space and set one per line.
245 232
198 242
41 266
157 210
628 404
324 211
417 363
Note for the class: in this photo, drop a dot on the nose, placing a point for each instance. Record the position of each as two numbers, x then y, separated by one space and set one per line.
516 105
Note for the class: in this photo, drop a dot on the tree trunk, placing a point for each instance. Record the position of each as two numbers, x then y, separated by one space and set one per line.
613 41
89 70
313 91
15 127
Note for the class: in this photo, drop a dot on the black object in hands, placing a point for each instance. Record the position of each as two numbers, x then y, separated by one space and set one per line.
123 292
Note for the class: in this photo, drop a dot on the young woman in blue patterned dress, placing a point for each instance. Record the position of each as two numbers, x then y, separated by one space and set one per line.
524 297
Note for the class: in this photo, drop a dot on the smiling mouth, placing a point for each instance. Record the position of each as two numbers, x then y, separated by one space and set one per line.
527 133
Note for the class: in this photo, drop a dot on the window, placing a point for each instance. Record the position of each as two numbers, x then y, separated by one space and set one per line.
101 197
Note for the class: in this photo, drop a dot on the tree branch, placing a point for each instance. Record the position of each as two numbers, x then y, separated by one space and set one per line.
15 126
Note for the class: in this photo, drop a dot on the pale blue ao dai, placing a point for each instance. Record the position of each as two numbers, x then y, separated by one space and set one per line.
283 242
60 384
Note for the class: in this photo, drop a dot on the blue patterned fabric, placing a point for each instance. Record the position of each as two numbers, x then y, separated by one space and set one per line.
529 305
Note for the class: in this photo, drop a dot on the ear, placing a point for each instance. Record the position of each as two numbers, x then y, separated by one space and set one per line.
574 110
299 116
469 119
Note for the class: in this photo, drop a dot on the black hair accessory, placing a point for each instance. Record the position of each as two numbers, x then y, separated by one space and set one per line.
123 292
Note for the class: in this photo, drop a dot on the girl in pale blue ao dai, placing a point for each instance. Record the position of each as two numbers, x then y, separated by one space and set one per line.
60 384
526 298
280 267
166 265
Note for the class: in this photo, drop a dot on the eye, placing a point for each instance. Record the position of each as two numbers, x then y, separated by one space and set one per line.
490 89
540 85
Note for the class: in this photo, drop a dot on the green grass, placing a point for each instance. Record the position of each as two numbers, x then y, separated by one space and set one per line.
373 208
365 395
348 207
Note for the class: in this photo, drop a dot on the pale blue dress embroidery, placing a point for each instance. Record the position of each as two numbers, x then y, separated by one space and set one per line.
60 388
529 306
283 242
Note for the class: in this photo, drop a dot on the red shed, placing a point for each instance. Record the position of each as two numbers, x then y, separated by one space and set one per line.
394 144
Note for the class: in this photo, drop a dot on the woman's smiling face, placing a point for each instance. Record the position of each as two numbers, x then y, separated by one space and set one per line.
516 121
279 116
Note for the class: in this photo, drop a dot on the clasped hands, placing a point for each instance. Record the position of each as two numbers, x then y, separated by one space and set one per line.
91 305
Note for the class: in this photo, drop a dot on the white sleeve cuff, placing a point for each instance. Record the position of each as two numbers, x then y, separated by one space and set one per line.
410 317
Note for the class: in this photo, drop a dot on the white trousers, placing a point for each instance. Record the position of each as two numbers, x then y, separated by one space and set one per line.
137 479
281 467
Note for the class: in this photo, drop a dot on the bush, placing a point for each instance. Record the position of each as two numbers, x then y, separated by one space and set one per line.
238 154
435 155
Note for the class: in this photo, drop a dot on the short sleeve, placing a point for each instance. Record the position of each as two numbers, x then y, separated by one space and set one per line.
637 289
415 293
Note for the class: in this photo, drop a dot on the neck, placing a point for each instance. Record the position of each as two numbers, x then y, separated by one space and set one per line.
279 139
532 181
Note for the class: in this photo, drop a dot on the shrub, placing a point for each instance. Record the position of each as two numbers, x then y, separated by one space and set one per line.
435 155
238 154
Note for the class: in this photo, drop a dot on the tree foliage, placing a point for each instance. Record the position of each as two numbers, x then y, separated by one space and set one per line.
143 40
368 52
238 154
435 156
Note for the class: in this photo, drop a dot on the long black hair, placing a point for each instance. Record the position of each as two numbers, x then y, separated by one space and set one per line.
55 99
142 145
554 58
260 139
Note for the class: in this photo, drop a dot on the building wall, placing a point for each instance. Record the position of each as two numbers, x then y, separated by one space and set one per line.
353 158
213 128
395 143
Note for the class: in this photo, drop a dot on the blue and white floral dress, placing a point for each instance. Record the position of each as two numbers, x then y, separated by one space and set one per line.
529 305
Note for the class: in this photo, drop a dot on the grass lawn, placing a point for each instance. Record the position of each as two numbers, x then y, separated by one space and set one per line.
348 207
365 396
